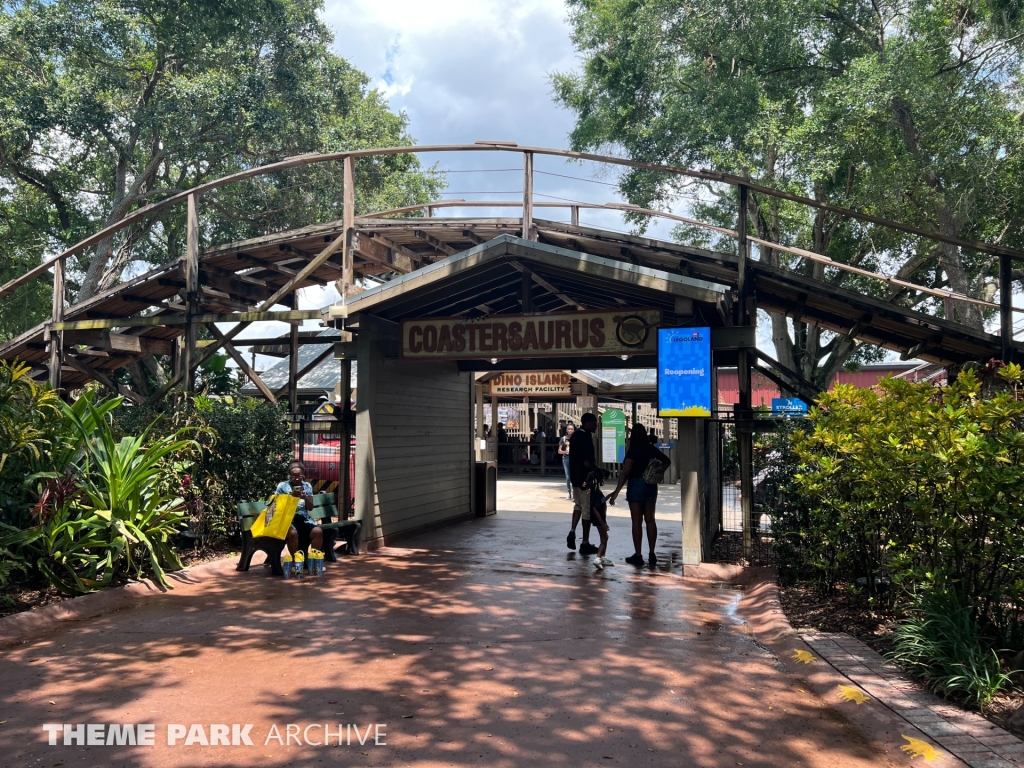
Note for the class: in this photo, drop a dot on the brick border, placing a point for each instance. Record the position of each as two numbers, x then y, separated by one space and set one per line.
967 735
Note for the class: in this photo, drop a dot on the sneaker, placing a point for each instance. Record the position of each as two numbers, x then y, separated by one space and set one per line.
570 498
598 563
652 560
606 561
635 559
586 548
570 540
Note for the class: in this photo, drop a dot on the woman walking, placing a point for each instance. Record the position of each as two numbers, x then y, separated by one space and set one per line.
641 496
563 451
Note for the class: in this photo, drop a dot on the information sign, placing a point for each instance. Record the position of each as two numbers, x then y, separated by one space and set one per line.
788 406
613 436
684 372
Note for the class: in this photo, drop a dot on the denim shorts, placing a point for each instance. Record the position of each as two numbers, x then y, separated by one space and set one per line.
639 491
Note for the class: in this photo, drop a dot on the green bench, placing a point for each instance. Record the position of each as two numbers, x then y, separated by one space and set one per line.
324 510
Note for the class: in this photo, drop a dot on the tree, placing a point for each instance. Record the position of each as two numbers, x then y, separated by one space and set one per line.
108 105
906 110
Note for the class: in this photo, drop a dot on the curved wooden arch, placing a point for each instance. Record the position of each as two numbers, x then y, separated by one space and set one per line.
315 158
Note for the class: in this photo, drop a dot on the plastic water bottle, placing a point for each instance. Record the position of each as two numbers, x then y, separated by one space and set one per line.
286 565
297 563
316 562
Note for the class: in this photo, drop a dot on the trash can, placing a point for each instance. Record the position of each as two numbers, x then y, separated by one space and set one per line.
485 501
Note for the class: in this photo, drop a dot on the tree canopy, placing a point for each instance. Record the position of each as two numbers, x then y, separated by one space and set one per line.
904 109
108 105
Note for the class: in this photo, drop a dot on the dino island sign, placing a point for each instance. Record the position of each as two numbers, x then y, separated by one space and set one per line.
614 332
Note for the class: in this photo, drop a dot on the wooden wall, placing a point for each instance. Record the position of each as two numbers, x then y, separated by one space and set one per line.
414 450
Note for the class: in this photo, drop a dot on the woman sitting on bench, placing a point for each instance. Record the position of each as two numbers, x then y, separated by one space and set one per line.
312 534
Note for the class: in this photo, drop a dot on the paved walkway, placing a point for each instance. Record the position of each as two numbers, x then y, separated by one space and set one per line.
487 643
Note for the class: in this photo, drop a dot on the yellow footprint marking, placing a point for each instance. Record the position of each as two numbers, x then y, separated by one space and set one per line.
805 657
848 693
918 748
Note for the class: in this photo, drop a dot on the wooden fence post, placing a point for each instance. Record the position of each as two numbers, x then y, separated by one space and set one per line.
57 316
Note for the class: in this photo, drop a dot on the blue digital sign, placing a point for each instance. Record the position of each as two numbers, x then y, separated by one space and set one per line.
684 372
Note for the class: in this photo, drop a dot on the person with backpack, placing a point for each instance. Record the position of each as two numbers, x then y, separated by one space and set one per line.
642 469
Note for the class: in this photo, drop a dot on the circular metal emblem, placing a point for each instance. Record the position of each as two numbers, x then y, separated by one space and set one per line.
631 331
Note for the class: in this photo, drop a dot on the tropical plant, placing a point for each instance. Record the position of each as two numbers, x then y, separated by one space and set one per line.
943 643
30 429
120 522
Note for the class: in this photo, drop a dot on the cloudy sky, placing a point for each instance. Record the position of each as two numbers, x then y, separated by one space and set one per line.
465 70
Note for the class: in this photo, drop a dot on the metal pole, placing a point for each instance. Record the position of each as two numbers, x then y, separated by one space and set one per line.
528 232
57 315
1006 306
744 416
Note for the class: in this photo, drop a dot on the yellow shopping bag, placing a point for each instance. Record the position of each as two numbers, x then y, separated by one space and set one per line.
275 520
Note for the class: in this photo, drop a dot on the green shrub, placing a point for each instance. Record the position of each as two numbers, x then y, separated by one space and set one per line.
943 643
920 484
242 449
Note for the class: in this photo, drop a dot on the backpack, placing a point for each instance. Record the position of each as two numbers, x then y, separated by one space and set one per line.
655 471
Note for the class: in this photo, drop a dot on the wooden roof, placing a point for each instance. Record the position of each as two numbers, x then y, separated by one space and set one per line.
236 277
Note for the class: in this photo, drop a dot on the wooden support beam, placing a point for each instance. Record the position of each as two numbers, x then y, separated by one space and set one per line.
179 319
802 386
102 378
274 341
279 269
121 342
191 269
237 357
473 237
232 284
56 316
415 259
436 244
146 301
306 369
529 232
348 223
293 361
547 286
280 293
375 251
212 299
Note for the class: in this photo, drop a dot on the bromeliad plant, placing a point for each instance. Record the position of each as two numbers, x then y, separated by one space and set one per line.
118 520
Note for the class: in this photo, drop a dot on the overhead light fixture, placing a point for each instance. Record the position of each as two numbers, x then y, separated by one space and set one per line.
494 361
624 357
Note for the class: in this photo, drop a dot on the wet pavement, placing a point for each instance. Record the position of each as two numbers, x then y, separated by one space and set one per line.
487 643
